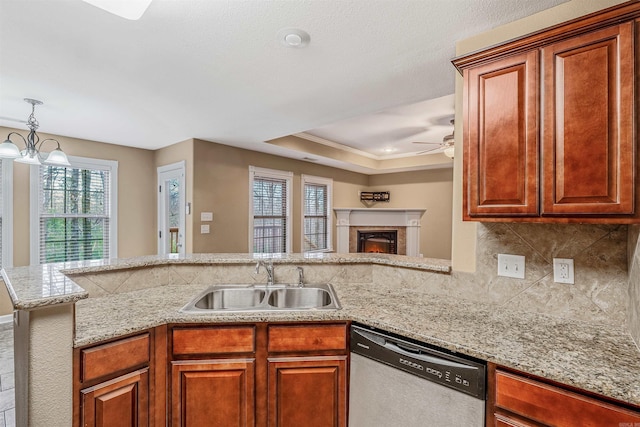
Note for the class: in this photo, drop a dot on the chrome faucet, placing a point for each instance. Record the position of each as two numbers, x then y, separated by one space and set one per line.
268 266
300 277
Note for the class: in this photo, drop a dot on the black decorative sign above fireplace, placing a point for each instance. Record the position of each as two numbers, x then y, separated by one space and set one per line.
383 242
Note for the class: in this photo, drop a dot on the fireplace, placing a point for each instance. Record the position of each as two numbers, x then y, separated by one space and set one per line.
382 242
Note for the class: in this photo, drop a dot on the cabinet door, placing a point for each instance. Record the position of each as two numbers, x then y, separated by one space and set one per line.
121 402
307 391
588 148
501 137
213 393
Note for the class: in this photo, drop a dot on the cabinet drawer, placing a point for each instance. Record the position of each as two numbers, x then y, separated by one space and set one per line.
554 406
224 340
307 338
105 359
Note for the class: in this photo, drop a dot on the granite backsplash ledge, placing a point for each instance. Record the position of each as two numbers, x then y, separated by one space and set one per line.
604 292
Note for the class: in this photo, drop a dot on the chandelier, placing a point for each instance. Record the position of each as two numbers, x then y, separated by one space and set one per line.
31 154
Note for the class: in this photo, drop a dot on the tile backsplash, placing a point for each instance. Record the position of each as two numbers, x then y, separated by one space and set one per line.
600 292
633 307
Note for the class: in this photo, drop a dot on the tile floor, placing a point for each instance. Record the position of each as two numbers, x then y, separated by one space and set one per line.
7 392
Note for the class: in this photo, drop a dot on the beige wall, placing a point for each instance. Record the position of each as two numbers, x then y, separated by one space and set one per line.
429 189
464 234
221 186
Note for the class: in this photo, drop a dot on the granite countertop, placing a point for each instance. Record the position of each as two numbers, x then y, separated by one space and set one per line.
592 357
589 357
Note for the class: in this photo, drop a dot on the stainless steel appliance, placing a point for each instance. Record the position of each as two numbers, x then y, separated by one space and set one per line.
398 383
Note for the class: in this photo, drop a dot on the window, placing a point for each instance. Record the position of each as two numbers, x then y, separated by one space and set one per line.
73 211
270 211
6 213
316 214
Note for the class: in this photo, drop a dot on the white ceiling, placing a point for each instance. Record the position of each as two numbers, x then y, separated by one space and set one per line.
395 132
214 69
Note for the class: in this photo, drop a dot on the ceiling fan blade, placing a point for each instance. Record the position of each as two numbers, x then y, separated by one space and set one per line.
9 119
425 142
436 150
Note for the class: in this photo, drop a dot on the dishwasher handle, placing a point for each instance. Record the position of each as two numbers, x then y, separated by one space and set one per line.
424 357
406 349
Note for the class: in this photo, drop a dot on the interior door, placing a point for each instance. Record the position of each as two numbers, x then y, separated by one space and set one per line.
171 209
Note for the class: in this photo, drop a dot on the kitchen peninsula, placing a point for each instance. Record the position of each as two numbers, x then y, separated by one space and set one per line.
55 313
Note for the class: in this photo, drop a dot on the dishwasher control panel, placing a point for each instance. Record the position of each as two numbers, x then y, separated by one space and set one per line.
459 373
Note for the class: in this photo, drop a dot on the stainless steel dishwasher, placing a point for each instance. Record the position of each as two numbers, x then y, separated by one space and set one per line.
398 383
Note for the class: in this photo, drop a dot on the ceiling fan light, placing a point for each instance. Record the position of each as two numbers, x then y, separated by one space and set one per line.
449 151
9 150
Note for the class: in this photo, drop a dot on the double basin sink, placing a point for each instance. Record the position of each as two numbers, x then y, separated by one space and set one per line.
228 298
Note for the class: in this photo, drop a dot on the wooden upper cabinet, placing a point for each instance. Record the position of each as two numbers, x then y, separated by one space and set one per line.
501 137
549 126
588 141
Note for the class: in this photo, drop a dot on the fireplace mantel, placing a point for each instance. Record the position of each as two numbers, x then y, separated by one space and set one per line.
372 217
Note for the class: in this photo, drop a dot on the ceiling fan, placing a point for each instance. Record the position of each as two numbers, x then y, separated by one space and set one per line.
9 119
446 146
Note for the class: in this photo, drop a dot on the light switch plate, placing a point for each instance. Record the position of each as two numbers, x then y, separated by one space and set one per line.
563 270
511 266
206 216
204 228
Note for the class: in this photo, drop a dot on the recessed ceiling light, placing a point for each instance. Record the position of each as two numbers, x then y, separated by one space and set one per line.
128 9
389 150
293 37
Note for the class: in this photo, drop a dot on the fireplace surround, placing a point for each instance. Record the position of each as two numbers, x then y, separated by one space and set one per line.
405 221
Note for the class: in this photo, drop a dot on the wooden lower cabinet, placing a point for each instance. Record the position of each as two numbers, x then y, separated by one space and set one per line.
307 391
121 402
517 400
502 420
113 382
258 375
213 393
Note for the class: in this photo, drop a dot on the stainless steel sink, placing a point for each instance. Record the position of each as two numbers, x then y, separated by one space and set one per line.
300 298
279 297
225 299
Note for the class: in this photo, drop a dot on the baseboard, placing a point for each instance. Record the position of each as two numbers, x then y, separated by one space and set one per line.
7 318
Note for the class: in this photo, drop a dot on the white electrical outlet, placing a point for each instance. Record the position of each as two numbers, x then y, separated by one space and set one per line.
204 229
511 266
563 270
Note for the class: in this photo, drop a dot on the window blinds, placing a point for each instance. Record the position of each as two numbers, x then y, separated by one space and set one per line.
315 217
269 215
74 214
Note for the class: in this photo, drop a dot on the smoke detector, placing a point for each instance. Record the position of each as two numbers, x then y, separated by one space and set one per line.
293 37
